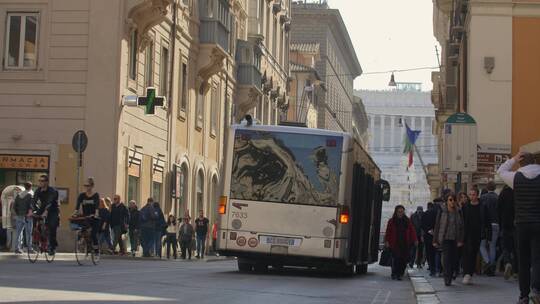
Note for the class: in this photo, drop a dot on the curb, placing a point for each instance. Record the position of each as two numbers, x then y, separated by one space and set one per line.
13 256
423 290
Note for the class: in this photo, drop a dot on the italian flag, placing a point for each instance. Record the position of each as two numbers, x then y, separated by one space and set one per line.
410 140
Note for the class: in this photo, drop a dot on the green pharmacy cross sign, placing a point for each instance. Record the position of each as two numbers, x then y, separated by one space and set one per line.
150 101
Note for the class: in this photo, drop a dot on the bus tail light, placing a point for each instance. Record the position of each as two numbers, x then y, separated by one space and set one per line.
241 241
222 205
344 215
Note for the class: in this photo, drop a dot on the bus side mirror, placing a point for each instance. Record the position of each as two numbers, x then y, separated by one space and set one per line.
385 190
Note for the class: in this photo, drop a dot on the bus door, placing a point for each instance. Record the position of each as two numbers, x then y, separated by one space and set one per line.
358 202
368 218
376 226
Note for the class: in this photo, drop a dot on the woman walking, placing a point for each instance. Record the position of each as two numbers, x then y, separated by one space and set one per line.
134 227
172 229
449 234
104 231
400 237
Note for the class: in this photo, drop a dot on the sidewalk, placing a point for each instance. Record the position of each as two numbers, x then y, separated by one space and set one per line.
484 290
63 256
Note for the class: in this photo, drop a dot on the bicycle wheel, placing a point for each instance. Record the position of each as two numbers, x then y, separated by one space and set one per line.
96 256
33 250
81 249
49 258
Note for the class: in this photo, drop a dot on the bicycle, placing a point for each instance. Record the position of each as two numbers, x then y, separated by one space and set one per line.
84 249
40 241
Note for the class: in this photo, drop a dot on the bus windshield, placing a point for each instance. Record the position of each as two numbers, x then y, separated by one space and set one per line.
286 167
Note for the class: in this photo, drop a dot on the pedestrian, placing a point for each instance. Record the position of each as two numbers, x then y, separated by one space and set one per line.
214 236
134 227
474 227
22 209
104 232
417 252
147 220
448 235
463 200
526 184
46 204
119 224
172 229
400 237
428 226
508 231
201 229
488 246
186 237
160 229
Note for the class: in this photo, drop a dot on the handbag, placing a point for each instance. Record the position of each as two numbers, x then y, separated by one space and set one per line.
386 258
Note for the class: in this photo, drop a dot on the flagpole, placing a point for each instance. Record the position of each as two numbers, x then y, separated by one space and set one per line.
421 161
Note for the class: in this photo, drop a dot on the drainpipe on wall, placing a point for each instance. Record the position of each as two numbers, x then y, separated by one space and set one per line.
170 165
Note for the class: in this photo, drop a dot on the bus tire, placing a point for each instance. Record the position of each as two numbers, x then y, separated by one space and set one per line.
244 266
361 269
260 268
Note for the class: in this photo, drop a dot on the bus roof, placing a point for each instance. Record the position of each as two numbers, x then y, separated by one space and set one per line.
289 129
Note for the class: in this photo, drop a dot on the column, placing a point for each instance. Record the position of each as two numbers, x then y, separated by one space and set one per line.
371 132
392 133
423 135
382 142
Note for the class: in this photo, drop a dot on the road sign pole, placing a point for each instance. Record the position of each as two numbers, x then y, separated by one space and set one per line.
458 183
79 158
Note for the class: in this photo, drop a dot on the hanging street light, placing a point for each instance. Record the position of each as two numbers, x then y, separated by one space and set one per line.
392 82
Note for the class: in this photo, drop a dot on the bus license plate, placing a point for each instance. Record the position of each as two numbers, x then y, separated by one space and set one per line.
275 240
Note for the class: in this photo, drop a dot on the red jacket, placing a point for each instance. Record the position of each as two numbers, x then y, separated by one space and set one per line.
391 234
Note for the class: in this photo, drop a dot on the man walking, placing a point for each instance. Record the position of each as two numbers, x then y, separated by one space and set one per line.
134 226
490 201
22 208
428 224
186 237
526 184
506 220
417 254
201 229
473 218
119 223
147 220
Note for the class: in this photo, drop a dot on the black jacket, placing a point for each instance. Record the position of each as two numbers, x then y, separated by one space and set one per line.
134 222
428 220
470 221
506 208
119 215
527 199
490 201
46 200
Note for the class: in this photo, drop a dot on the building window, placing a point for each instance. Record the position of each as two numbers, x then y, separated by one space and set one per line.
21 40
183 87
274 38
156 191
200 191
133 55
214 109
149 65
164 71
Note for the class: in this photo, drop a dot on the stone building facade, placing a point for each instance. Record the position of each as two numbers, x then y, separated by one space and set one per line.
69 64
316 23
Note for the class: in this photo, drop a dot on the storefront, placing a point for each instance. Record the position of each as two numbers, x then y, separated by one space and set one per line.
17 169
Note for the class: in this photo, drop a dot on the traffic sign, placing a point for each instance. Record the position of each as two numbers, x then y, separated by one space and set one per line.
79 141
460 144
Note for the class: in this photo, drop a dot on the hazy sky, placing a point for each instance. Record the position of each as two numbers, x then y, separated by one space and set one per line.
390 35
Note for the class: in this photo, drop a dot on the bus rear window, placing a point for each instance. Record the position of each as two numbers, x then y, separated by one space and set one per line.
286 167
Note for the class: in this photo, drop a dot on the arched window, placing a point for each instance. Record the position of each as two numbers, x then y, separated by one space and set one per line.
199 192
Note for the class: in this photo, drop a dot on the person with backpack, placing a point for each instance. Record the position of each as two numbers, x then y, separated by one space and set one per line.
22 208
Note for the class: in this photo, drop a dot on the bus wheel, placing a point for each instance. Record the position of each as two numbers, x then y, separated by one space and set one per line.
361 269
347 270
260 268
243 266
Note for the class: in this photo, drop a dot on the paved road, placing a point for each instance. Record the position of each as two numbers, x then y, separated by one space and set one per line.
117 281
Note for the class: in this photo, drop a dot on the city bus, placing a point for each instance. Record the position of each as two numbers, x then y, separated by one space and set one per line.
296 196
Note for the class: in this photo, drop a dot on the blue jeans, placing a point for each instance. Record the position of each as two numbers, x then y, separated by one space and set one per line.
157 243
23 223
491 256
105 237
147 241
201 239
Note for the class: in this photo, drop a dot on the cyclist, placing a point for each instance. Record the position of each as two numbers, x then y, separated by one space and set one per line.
46 205
88 206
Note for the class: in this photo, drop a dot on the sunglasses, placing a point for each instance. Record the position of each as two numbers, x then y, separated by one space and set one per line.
450 199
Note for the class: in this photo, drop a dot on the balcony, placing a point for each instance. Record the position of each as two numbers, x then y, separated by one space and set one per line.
214 32
249 75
